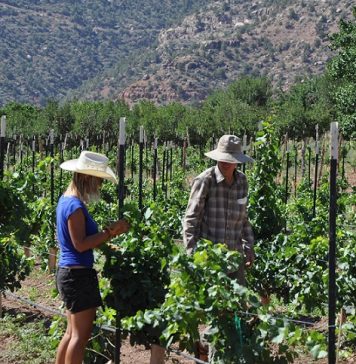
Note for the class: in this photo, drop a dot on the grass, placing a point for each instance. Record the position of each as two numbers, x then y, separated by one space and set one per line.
25 339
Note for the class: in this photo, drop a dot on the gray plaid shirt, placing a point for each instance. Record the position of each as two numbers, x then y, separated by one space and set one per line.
217 211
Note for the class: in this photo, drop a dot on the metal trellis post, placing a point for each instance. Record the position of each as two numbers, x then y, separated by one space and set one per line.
332 242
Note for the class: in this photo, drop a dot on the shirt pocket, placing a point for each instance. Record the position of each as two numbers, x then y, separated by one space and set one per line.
242 201
241 207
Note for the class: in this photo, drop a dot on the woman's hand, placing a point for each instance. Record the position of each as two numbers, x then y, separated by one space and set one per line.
118 227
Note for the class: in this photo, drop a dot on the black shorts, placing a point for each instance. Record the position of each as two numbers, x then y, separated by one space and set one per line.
78 288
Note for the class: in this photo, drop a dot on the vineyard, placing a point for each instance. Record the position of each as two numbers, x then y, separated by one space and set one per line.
154 292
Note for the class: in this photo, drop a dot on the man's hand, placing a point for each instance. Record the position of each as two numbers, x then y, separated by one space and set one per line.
249 256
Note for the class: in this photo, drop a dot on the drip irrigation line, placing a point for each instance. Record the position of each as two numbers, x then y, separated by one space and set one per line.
111 329
178 352
34 304
50 310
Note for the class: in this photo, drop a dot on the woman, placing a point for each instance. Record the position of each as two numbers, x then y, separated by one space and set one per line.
78 235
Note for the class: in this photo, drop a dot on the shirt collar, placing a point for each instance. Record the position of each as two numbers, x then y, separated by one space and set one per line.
219 176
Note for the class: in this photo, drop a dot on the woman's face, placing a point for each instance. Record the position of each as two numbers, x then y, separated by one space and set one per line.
94 185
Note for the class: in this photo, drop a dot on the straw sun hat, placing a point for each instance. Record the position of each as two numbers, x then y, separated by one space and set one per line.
91 163
229 150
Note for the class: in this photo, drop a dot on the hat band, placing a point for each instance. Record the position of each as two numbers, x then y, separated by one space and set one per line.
229 150
89 165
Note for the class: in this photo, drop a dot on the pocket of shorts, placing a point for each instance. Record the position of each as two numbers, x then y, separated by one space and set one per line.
66 284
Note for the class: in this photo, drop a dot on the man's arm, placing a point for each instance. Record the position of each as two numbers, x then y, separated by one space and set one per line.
194 214
247 233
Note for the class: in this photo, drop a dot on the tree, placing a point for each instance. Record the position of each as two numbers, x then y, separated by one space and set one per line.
342 69
306 104
255 91
21 118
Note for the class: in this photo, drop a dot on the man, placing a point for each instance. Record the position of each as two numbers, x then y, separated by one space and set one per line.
217 210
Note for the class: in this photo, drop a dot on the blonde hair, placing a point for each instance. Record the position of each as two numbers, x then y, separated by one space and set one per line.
85 186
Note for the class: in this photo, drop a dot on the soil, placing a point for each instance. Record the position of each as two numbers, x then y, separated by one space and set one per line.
38 288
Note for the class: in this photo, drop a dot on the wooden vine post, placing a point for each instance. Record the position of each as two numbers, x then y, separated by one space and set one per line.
287 171
316 167
295 169
8 155
140 170
147 149
154 172
184 155
2 145
52 254
244 148
62 146
163 175
21 152
33 161
309 164
171 161
132 158
14 150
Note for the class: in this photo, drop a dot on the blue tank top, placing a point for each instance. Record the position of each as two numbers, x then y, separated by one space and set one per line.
69 256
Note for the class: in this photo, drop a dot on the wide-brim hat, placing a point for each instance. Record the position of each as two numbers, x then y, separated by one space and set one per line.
229 150
91 163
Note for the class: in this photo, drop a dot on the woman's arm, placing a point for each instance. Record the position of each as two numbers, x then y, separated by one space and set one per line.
81 242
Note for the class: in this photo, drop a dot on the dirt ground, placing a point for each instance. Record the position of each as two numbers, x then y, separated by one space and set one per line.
37 288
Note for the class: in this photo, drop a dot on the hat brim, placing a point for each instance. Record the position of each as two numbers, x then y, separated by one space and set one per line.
229 157
71 165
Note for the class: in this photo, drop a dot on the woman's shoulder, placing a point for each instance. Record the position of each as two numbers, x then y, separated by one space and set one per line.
69 202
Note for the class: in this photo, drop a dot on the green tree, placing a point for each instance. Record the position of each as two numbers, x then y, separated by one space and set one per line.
255 91
306 104
21 118
342 69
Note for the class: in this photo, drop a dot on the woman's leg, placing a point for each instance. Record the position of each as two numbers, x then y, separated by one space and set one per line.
62 347
157 354
81 328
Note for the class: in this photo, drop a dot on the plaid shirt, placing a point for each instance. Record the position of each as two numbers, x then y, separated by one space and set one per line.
217 211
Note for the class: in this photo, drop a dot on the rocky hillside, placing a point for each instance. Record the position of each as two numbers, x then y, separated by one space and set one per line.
283 40
158 50
49 47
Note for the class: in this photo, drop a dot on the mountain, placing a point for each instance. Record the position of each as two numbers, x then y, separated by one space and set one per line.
48 47
158 50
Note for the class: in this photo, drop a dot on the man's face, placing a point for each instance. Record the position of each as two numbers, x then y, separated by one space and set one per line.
227 169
